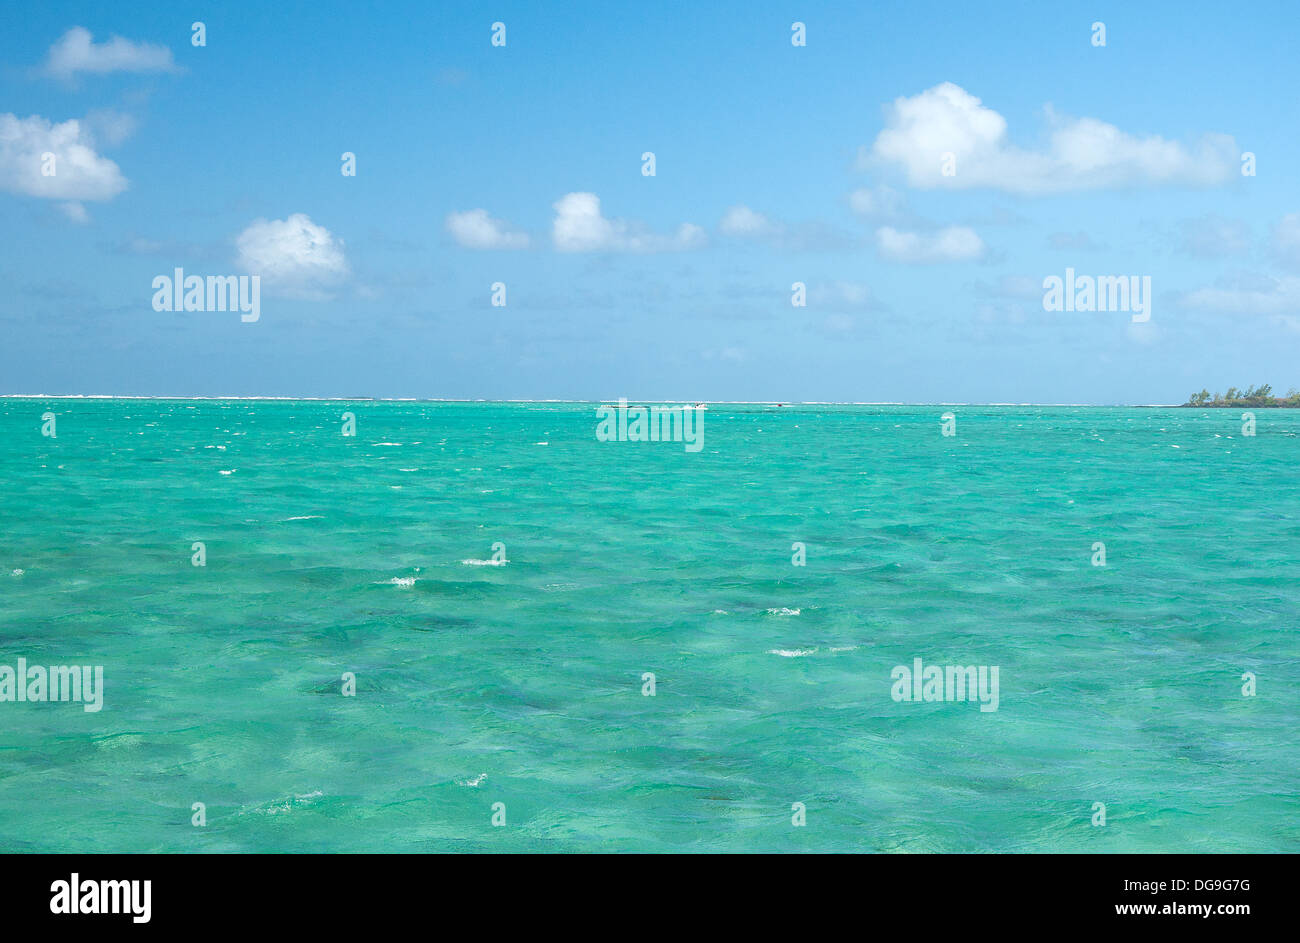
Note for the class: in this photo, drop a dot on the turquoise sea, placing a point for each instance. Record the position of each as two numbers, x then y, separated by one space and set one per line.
521 683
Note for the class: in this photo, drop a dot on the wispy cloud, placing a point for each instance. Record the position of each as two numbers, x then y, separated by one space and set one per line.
878 204
746 223
1250 295
76 51
951 244
743 223
475 229
579 226
1082 153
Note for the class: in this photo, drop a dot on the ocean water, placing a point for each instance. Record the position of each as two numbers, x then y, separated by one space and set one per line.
521 683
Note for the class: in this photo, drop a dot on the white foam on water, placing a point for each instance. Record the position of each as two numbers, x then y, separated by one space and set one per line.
287 805
475 782
230 472
784 612
792 652
403 581
485 562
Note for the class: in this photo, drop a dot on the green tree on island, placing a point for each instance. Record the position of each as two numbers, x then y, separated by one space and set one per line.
1253 396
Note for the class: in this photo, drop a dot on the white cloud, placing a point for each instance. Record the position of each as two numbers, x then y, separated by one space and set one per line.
1082 153
952 244
294 256
743 222
79 172
76 51
475 229
580 227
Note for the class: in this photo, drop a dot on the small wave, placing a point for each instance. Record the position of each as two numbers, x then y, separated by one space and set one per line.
792 652
287 805
229 472
485 562
784 612
403 581
476 781
16 573
305 517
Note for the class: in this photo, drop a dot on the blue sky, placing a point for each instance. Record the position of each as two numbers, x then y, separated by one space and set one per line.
774 164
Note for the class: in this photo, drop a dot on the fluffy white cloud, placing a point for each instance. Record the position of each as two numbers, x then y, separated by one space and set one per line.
580 227
743 222
1082 153
294 256
952 244
475 229
79 172
76 51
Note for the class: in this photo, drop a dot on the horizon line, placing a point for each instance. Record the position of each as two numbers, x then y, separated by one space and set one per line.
419 399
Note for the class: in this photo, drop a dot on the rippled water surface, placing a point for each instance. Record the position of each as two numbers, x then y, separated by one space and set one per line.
522 683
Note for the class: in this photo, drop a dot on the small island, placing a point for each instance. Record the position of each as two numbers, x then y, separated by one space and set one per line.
1256 397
